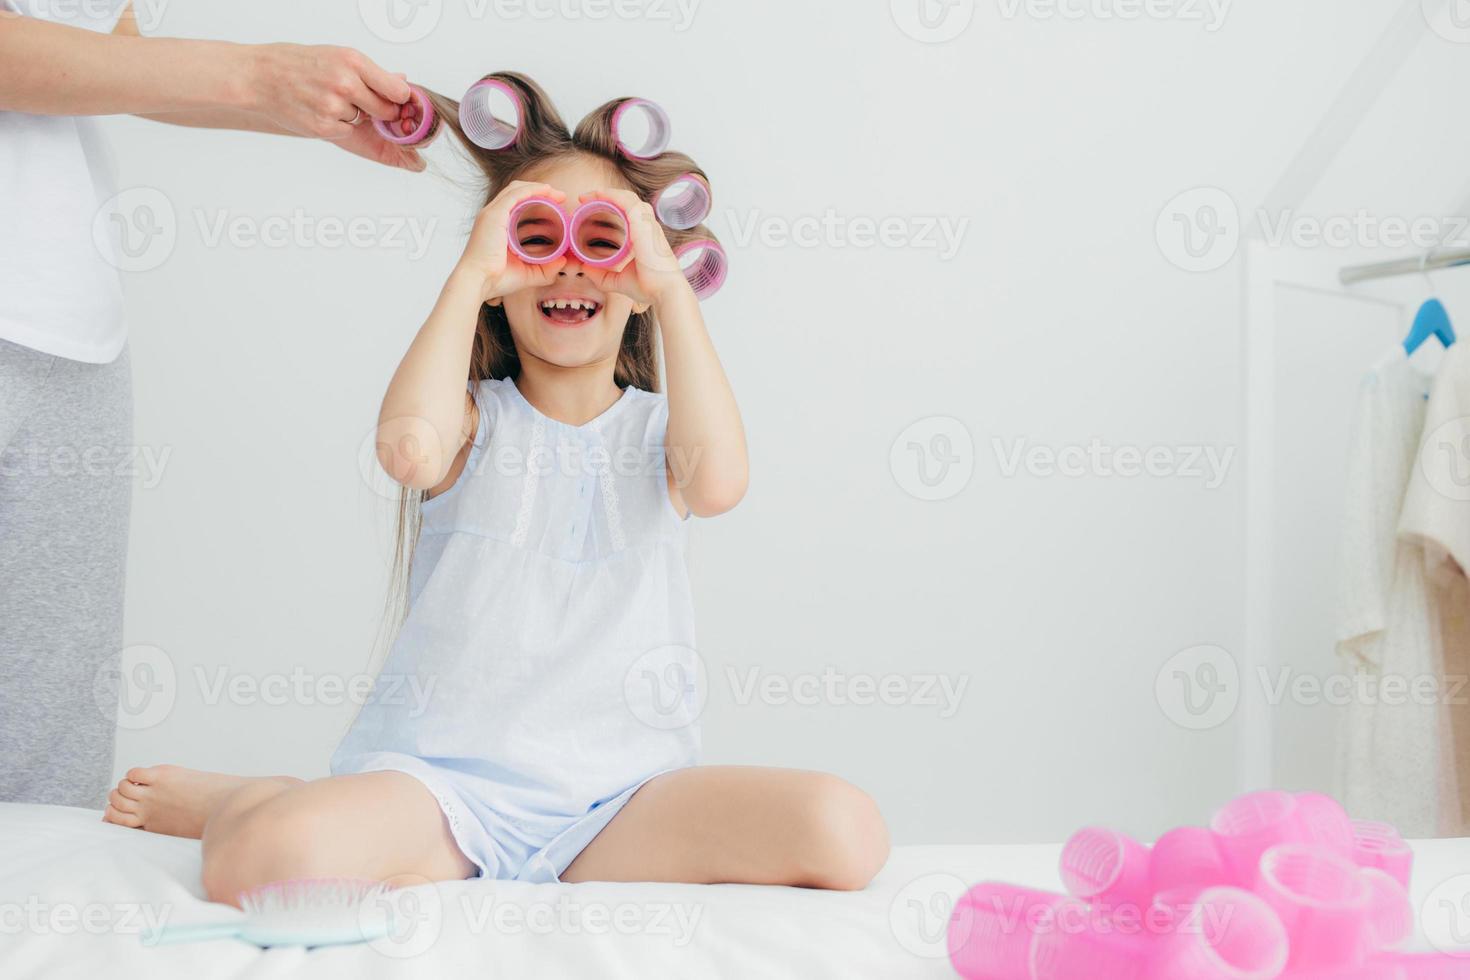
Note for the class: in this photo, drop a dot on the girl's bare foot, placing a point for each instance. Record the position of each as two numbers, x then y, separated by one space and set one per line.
168 799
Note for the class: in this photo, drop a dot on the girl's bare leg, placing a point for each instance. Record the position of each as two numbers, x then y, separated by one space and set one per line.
741 824
382 826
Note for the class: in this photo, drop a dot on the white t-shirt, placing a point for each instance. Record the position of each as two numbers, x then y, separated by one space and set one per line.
59 288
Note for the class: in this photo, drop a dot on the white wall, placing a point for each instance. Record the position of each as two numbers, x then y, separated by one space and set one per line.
1060 320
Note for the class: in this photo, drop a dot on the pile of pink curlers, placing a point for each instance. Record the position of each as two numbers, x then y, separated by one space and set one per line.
597 234
1279 885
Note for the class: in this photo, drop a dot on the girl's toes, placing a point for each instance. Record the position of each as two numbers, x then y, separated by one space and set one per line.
129 790
122 804
113 815
147 775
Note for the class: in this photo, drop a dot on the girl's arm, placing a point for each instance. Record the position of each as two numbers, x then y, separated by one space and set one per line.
427 416
52 69
708 465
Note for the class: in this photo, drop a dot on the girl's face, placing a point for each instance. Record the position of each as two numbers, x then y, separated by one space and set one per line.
545 321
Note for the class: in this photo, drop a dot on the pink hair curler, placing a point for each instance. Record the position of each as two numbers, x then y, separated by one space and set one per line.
421 113
1326 823
994 926
538 231
1189 859
684 203
1325 903
483 114
1249 825
1231 935
599 235
1378 845
1390 913
642 128
705 265
1083 943
1107 869
1420 966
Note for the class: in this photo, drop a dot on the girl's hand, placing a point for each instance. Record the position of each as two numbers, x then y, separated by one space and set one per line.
487 256
651 272
316 90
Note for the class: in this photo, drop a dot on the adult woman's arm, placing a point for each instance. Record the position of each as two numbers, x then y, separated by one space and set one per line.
52 69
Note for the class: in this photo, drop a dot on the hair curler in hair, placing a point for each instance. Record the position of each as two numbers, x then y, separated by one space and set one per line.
1378 845
705 265
538 231
478 119
658 128
599 235
421 113
685 203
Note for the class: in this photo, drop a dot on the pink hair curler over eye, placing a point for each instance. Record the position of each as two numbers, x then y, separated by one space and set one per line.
425 121
1107 869
684 203
705 265
1378 845
642 128
490 114
538 231
994 926
599 234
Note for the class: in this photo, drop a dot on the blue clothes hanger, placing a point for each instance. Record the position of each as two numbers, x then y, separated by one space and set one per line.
1432 320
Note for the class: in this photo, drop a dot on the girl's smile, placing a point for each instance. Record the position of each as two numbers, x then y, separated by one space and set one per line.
569 310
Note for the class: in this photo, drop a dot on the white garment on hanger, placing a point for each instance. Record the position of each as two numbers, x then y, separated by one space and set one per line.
1435 531
1390 765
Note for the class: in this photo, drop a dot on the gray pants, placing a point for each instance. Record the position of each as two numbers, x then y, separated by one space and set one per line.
65 432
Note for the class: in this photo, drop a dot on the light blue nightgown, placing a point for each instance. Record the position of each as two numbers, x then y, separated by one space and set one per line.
551 622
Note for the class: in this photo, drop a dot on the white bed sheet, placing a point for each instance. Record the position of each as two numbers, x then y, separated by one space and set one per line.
75 895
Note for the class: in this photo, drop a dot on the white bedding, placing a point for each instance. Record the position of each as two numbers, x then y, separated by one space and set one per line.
75 895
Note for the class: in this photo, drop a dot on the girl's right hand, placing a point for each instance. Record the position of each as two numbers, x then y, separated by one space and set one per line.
487 256
316 90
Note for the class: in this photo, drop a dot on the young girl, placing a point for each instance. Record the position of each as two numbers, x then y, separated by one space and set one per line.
548 591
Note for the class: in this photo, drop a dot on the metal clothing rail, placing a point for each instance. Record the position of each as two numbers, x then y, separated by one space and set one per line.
1433 259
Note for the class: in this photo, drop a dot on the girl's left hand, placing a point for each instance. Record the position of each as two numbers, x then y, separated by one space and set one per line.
650 274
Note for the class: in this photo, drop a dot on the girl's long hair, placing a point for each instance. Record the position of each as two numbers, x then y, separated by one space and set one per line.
543 139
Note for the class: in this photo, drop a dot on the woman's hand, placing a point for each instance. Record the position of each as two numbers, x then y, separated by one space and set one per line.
317 90
487 255
651 273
